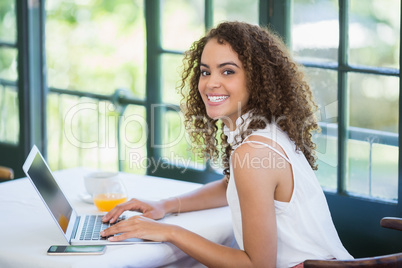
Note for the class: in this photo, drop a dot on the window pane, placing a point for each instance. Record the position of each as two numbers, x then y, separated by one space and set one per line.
9 114
385 171
239 10
96 46
85 130
315 30
133 138
381 94
358 167
8 64
8 22
171 73
324 86
374 30
176 143
373 135
373 169
327 153
182 23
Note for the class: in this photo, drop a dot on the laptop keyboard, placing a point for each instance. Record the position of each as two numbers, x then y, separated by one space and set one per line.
93 225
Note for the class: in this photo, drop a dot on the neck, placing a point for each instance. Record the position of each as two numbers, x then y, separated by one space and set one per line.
231 122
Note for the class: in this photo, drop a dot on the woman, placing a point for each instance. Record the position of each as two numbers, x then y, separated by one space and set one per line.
242 76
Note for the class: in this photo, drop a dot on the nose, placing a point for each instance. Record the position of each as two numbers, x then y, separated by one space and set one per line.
213 81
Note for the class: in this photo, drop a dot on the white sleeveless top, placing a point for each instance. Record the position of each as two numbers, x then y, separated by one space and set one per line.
304 225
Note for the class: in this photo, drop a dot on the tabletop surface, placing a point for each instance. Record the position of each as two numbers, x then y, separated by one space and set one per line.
28 230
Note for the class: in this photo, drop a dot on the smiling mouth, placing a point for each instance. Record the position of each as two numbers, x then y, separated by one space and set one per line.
217 98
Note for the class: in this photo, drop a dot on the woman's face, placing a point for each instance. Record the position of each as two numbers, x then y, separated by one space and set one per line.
222 83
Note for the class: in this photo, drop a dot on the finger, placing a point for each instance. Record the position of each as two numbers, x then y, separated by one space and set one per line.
121 237
125 230
109 231
123 226
113 215
148 214
138 206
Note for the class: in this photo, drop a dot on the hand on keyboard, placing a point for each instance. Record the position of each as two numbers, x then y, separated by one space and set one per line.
93 225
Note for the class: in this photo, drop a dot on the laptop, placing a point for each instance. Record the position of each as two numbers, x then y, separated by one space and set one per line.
77 229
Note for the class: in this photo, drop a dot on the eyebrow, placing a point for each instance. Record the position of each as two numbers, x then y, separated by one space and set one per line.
222 64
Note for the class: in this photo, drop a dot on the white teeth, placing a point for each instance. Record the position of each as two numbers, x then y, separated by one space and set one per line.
217 98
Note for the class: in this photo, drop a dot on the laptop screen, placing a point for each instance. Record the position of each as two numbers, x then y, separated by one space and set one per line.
46 185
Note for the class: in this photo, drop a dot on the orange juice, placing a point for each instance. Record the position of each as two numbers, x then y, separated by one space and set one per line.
105 202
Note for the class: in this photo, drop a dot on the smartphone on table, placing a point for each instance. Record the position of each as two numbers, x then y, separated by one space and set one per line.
76 250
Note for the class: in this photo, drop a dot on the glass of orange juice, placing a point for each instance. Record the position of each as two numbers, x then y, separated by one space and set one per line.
107 190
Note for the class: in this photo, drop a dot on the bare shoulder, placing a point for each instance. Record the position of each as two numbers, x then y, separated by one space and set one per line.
256 145
266 166
265 140
254 176
254 158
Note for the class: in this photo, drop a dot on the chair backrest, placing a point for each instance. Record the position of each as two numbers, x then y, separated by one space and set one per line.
393 260
6 173
392 223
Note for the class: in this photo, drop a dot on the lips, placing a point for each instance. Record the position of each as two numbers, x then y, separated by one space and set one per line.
217 98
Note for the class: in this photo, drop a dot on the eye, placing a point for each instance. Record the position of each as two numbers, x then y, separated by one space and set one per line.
228 72
204 73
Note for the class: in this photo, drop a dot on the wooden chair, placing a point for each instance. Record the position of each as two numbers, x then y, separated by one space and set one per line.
6 173
392 260
392 223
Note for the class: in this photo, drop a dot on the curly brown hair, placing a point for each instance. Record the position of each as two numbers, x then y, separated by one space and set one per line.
278 92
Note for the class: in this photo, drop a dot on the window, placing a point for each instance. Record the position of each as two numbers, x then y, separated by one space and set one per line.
9 111
102 103
95 57
351 53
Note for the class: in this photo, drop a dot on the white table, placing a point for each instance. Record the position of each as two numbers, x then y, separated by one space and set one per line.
27 229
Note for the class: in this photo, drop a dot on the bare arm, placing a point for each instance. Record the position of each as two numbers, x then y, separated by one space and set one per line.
210 195
256 185
256 189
